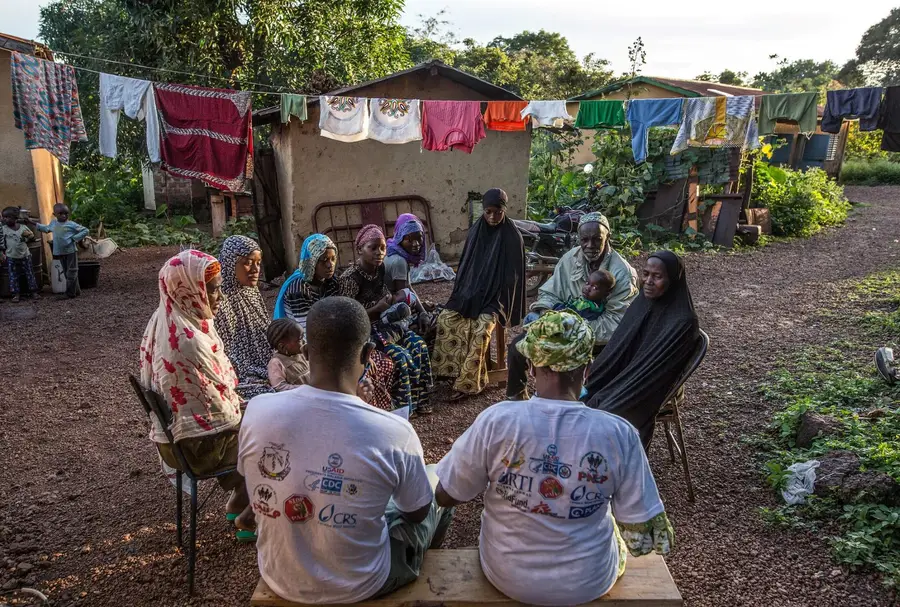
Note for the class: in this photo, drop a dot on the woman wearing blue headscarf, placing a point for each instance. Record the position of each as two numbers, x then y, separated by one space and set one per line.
311 281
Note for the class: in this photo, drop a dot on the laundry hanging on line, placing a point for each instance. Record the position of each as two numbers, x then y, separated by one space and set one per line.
207 134
134 97
451 125
646 113
862 103
547 114
395 121
889 119
505 115
801 108
603 114
46 107
292 105
717 122
344 118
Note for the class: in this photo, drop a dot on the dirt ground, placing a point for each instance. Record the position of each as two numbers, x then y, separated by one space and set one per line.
86 517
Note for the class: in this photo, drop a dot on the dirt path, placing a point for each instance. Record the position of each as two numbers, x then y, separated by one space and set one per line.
85 516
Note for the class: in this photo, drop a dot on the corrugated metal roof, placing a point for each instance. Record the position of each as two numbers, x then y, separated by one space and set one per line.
686 88
21 45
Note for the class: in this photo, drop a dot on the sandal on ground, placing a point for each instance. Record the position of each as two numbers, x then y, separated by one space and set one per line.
231 516
458 396
245 535
424 409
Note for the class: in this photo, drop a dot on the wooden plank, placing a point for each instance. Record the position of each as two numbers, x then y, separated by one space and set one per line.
690 214
453 578
217 211
726 225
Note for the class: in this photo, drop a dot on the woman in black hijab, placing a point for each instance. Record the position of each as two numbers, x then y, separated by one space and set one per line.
650 348
489 287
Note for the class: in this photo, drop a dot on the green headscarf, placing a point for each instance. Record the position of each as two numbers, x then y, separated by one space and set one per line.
560 340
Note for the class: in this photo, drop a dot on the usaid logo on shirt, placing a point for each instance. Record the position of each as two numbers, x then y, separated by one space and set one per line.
333 481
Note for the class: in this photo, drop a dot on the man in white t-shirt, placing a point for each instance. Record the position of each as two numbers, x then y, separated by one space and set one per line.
343 501
554 473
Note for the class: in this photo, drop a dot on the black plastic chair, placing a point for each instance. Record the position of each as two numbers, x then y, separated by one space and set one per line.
155 405
670 418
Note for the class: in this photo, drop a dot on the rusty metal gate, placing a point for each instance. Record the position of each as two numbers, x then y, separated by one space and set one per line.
267 212
341 220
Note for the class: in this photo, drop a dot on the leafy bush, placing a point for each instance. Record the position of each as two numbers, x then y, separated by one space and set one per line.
179 230
800 202
111 194
870 172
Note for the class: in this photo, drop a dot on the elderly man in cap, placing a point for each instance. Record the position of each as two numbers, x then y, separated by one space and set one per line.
569 278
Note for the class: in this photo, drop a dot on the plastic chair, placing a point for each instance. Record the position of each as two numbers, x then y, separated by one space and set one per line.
670 418
154 404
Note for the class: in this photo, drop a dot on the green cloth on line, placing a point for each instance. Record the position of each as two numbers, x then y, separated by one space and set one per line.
800 107
293 105
605 114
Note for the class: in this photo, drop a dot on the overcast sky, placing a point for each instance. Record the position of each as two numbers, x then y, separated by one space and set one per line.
682 38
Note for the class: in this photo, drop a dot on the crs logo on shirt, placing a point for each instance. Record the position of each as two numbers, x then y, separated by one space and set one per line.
332 517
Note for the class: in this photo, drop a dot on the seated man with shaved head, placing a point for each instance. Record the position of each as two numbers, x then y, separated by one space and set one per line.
343 501
569 278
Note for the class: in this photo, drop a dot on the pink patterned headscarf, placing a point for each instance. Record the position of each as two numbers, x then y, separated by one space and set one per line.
367 234
182 356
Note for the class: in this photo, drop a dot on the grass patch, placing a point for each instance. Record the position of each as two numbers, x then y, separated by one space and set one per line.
840 380
870 172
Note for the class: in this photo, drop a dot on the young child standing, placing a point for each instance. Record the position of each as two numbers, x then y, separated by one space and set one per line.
591 304
288 367
65 235
14 251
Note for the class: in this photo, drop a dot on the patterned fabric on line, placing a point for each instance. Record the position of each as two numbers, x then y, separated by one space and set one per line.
462 348
45 104
718 122
451 125
343 118
395 120
206 134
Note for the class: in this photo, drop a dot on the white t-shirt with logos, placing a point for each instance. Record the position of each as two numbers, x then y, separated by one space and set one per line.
320 468
553 473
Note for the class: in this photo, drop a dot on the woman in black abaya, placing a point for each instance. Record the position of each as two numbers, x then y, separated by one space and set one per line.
650 349
489 288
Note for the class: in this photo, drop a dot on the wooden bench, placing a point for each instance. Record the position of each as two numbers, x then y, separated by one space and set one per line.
453 578
497 371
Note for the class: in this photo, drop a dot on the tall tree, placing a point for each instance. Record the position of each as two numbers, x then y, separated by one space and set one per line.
877 58
726 77
799 76
277 45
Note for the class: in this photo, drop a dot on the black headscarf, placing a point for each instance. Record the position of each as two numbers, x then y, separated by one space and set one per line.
647 353
491 274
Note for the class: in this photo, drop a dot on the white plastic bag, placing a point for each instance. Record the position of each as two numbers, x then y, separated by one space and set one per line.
432 269
800 482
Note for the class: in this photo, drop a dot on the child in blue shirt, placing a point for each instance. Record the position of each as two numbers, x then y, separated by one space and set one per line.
65 236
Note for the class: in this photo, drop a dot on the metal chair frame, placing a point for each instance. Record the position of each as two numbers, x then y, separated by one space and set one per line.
671 419
154 404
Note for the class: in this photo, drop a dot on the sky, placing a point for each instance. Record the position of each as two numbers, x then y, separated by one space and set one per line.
682 39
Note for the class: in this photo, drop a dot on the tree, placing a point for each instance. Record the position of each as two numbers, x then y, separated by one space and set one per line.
726 77
877 58
800 76
277 45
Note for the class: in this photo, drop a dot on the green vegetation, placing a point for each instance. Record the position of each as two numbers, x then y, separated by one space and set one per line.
180 230
870 172
840 380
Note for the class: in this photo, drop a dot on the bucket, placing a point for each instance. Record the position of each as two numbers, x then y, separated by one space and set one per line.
88 273
57 277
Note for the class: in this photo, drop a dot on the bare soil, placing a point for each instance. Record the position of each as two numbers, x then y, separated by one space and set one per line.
86 517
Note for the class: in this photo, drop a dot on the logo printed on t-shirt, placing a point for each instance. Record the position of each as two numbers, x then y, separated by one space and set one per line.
333 481
549 463
312 481
332 517
576 512
544 508
597 468
265 501
550 488
514 456
351 489
275 462
298 508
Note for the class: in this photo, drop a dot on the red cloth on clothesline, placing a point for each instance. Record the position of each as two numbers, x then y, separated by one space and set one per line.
207 134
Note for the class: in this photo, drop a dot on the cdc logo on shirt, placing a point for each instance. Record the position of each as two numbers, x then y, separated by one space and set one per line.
332 517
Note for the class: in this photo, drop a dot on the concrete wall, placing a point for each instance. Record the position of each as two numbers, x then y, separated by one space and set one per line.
313 169
584 154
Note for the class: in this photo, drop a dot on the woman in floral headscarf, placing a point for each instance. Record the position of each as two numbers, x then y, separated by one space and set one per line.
313 280
242 318
183 359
